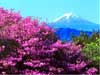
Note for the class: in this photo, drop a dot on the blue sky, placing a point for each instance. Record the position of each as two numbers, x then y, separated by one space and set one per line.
51 9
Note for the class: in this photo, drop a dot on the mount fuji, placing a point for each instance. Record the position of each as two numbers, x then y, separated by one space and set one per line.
70 23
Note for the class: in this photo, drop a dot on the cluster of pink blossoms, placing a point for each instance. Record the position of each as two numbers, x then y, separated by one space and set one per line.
30 47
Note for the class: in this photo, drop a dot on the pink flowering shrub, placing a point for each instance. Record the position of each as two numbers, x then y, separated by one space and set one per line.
30 47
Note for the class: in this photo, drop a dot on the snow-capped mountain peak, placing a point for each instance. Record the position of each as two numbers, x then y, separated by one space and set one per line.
70 20
66 15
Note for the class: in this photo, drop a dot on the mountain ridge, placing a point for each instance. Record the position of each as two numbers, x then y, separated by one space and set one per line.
69 23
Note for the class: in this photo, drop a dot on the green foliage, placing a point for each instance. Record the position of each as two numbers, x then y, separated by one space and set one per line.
84 39
91 46
94 36
92 51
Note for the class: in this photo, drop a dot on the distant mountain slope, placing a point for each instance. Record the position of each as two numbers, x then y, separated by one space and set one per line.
70 23
66 33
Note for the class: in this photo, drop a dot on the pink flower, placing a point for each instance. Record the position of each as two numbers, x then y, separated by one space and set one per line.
80 65
28 63
91 71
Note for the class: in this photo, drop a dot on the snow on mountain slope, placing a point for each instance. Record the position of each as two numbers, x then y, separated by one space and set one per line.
66 15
